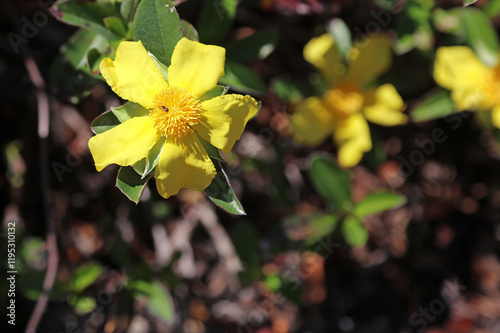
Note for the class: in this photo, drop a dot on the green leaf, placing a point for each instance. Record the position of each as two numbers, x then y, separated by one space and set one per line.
86 15
115 25
130 183
128 8
158 26
435 104
331 181
286 89
84 276
147 164
129 110
469 2
104 122
243 79
155 296
189 31
82 304
309 228
448 21
217 91
221 192
355 233
161 66
215 20
341 35
378 202
480 35
492 8
76 50
212 151
257 46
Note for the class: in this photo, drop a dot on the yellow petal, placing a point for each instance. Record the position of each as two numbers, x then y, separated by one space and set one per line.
312 123
183 164
322 53
223 119
368 59
384 106
352 136
196 66
458 67
124 144
495 116
133 75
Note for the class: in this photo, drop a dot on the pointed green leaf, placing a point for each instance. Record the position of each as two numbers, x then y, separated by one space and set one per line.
378 202
158 26
147 164
84 276
86 15
104 122
128 8
468 2
221 193
115 25
242 78
76 50
331 181
355 233
257 46
155 296
480 35
130 183
435 104
341 35
212 151
161 66
217 91
189 31
129 110
215 20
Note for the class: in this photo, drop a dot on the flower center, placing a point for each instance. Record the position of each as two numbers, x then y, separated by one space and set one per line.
343 100
490 87
175 113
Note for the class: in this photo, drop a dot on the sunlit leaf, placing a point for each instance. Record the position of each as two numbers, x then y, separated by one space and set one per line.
159 27
221 192
481 35
155 296
104 122
84 276
378 202
242 78
354 232
131 183
341 35
129 110
433 105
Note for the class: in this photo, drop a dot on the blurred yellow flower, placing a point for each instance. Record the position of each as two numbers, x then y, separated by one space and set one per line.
473 85
173 114
348 103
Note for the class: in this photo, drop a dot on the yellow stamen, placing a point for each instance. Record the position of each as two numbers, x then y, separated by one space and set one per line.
343 100
175 113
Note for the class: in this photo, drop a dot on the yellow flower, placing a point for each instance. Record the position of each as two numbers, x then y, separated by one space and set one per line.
473 85
347 104
175 114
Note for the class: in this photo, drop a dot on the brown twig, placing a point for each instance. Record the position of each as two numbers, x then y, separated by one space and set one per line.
43 133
